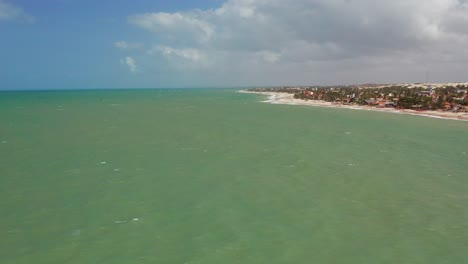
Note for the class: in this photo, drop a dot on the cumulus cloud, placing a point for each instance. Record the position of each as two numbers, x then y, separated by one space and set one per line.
130 62
318 40
176 23
11 12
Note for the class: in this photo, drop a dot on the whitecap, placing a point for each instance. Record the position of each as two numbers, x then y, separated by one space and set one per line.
187 148
74 171
76 232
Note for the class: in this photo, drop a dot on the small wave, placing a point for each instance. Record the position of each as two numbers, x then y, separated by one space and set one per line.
187 149
458 196
74 171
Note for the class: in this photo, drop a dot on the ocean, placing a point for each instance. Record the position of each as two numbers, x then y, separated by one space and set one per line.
216 176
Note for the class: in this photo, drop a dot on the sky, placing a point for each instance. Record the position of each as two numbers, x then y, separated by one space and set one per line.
85 44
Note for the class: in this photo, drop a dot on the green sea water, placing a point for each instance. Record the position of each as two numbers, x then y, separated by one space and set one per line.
215 176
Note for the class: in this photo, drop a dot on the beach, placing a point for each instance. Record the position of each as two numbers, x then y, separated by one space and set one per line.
288 99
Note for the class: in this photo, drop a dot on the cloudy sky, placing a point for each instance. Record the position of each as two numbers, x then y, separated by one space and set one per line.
228 43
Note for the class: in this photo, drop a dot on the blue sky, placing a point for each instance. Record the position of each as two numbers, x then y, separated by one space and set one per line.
70 44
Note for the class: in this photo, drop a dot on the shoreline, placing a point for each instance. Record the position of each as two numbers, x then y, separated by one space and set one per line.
288 99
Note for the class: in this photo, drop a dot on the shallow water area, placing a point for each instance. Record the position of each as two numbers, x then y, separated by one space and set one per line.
217 176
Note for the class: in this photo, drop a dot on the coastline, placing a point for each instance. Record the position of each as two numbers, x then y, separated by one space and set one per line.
288 99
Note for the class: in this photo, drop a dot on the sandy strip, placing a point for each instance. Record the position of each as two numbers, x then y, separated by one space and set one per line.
288 99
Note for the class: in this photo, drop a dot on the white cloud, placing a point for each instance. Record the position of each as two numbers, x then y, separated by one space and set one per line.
188 54
303 41
269 56
121 44
127 45
11 12
176 23
130 62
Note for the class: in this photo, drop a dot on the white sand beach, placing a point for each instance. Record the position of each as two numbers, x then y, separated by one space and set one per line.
288 99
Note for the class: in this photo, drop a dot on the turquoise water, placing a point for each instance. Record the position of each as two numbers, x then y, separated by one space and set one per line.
215 176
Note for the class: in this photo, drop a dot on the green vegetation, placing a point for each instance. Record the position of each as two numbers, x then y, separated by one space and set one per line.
448 98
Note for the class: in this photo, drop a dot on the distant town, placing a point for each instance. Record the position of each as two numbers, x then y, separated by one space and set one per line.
451 97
